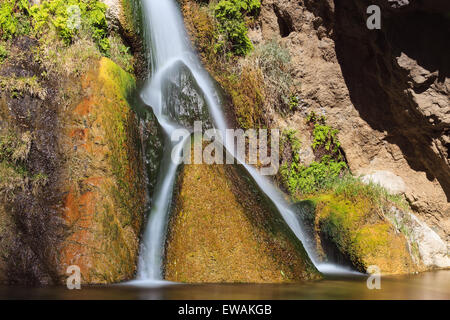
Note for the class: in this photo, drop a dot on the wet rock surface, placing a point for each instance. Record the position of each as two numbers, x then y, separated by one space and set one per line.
222 229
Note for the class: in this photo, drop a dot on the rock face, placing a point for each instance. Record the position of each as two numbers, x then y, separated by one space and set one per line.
104 206
72 181
387 90
30 168
223 230
125 17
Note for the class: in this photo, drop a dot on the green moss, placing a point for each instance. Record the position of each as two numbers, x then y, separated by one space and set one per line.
120 127
223 229
351 218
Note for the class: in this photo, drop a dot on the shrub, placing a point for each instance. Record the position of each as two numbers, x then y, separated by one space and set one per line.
230 15
275 63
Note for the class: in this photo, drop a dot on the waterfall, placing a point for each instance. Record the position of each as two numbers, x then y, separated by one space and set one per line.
169 51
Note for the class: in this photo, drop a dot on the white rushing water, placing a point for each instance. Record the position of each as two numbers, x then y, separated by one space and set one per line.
169 47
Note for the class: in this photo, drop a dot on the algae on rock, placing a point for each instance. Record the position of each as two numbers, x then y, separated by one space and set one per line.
222 229
105 205
356 233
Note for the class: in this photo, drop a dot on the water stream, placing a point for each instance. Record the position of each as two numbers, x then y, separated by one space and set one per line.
170 51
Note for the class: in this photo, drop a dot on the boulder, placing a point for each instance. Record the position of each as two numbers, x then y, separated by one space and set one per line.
355 233
433 251
386 179
222 229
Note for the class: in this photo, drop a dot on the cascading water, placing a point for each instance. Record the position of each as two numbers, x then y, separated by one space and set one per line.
170 51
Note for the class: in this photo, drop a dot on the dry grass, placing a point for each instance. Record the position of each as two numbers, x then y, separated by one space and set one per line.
23 85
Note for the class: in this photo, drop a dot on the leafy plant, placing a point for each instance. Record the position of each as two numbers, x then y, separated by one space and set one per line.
69 17
14 18
324 136
293 102
301 179
230 14
327 137
315 177
313 118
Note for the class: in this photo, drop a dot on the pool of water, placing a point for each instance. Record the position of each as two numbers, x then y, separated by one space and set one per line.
429 285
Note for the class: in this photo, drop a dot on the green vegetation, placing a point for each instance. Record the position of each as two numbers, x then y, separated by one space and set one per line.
3 53
293 102
324 136
350 215
14 18
315 177
14 149
230 15
121 54
71 16
320 175
68 17
353 189
263 79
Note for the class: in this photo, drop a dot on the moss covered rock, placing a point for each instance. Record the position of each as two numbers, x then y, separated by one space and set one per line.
72 185
104 207
222 229
357 233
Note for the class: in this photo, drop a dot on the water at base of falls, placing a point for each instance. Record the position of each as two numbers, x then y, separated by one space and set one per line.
170 49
